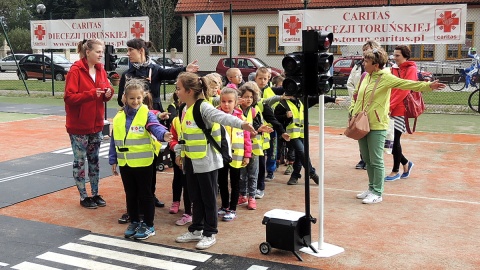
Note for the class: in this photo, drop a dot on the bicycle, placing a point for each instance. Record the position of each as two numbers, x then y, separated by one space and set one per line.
458 81
474 100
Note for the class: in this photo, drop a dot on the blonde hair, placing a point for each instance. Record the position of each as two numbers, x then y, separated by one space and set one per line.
212 83
229 90
262 70
230 72
192 82
371 44
253 88
277 80
378 56
87 44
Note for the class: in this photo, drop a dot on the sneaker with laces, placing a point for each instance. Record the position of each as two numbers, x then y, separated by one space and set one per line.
372 198
222 211
269 177
259 194
242 200
360 165
229 216
292 181
88 203
289 170
125 218
185 219
252 203
144 232
364 194
206 242
132 229
174 208
99 200
189 237
314 177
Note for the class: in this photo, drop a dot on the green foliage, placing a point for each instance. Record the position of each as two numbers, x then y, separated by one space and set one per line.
20 40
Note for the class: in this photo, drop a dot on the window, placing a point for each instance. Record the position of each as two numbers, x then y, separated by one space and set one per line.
335 50
422 52
273 47
247 40
455 51
221 50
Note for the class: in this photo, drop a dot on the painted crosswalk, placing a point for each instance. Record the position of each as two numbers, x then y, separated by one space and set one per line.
103 153
100 252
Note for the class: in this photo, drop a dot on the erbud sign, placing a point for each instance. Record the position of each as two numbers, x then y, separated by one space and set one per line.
390 25
65 34
209 29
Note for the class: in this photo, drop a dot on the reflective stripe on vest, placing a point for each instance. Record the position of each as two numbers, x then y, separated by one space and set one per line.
257 141
238 146
195 146
295 129
136 149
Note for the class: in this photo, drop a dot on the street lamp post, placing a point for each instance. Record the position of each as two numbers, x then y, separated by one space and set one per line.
41 10
305 3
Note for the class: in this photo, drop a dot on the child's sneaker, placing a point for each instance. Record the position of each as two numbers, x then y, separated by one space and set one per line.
252 203
289 169
189 237
174 208
132 229
144 232
269 177
292 181
314 177
124 219
229 216
242 200
372 198
259 194
206 242
222 211
186 218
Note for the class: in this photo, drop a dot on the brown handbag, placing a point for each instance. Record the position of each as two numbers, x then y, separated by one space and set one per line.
358 125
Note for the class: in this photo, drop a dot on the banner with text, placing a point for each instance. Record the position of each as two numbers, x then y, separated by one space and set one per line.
390 25
65 34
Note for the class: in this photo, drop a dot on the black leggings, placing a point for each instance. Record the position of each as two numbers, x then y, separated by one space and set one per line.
397 152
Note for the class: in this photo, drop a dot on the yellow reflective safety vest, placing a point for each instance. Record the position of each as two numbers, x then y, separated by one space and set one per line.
295 128
195 146
134 148
257 140
238 146
265 136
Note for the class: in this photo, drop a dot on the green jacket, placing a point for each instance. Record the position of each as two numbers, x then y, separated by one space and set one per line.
379 108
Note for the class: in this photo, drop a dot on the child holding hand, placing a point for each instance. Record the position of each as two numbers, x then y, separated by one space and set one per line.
133 149
241 153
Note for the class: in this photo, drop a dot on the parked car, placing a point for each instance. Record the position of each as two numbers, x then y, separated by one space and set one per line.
246 65
173 63
342 68
8 62
32 65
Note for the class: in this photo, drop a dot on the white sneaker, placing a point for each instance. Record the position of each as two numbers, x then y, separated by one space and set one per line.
189 237
372 198
229 216
206 242
364 194
259 194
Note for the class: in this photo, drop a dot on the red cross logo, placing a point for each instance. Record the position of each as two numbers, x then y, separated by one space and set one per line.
137 30
292 25
448 21
39 32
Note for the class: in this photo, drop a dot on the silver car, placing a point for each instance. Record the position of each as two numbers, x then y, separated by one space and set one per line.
8 62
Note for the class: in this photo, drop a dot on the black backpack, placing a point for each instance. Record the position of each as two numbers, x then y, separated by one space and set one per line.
224 147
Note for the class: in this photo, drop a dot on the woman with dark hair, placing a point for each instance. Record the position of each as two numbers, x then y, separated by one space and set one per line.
404 69
142 67
86 89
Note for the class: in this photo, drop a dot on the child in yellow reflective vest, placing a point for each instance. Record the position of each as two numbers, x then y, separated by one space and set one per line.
199 160
241 145
133 149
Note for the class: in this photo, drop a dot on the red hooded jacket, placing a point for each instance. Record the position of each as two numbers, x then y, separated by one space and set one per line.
84 110
408 71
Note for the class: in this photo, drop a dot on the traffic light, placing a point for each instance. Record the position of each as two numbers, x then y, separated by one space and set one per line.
307 72
110 58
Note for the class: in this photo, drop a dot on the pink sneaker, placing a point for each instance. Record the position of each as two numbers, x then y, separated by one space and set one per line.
186 218
174 207
252 203
242 200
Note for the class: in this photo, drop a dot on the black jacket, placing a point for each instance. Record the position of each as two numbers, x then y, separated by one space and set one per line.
281 112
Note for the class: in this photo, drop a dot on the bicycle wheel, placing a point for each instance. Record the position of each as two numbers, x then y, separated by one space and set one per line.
457 82
474 101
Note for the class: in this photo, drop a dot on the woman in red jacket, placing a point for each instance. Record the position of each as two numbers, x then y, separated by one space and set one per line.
86 89
404 69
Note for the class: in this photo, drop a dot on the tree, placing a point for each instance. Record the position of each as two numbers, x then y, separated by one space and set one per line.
153 9
20 40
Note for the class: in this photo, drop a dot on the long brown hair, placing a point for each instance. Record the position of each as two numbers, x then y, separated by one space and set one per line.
192 82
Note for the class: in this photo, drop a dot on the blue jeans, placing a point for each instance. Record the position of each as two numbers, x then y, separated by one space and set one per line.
297 145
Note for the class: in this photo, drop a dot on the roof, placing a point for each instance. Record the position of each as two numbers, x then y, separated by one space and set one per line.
194 6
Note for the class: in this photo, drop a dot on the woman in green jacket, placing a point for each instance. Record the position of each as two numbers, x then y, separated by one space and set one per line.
371 146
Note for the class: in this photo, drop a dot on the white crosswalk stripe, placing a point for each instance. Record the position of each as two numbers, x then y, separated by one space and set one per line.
103 153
